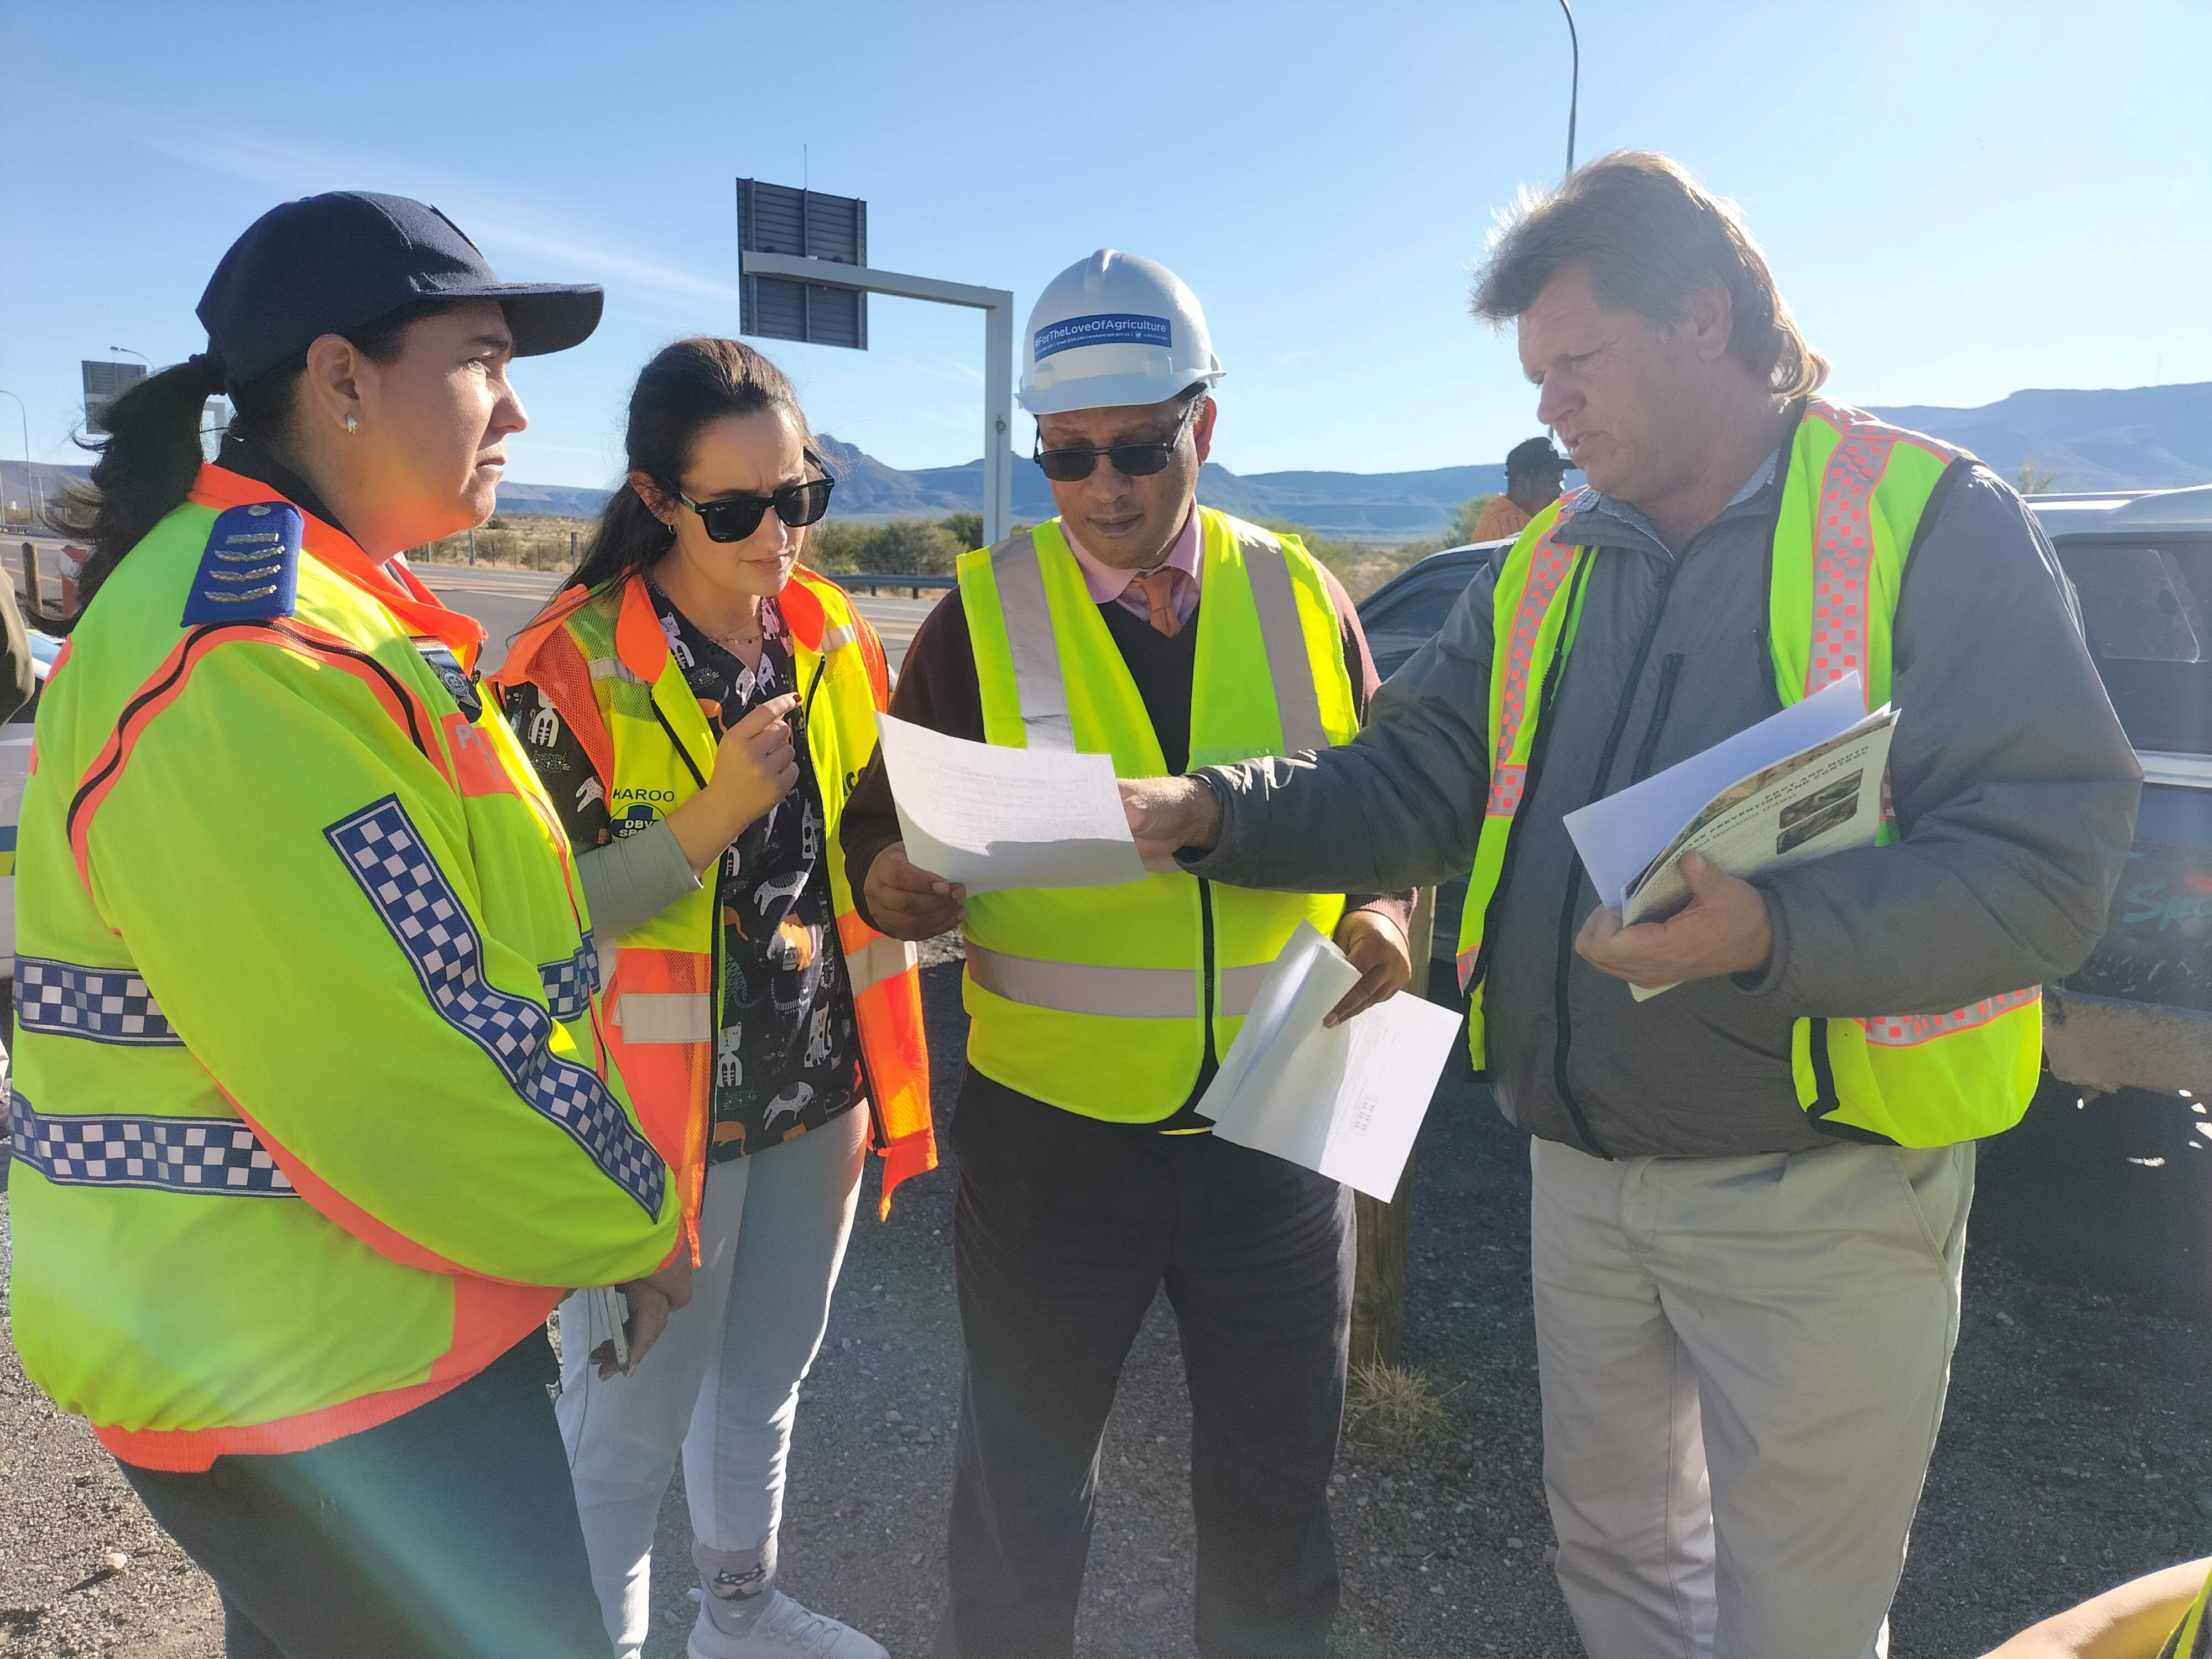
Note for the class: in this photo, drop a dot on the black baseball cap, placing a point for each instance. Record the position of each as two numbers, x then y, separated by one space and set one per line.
1534 458
330 264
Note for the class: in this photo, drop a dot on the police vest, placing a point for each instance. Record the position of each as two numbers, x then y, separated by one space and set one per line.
603 663
1102 1001
311 1120
1853 499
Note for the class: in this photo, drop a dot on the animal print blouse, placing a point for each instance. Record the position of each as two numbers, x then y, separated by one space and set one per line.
787 1056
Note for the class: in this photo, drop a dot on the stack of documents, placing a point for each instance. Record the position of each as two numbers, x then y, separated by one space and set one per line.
1346 1102
1799 785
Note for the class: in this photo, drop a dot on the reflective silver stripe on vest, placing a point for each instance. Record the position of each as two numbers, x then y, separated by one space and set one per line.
1290 665
836 638
1038 687
1115 992
613 668
881 958
664 1017
1239 987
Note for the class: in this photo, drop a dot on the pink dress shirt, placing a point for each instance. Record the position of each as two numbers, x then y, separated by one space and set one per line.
1107 583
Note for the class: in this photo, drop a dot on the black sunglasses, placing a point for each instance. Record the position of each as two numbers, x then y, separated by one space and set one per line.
1130 461
733 518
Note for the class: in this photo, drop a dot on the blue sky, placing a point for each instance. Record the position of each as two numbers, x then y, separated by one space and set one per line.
1958 200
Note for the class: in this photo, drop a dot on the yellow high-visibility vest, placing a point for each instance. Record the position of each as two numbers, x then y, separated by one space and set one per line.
1853 499
2192 1637
311 1120
1099 999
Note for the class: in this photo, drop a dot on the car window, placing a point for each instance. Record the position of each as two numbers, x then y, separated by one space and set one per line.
1400 622
2139 604
2147 612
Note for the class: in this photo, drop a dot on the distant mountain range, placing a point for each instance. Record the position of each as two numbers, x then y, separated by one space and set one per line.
2149 437
1382 507
2154 437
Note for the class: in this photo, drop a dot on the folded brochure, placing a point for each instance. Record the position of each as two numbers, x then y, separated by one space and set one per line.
1798 786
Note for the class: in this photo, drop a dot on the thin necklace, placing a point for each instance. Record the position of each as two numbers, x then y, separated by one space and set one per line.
738 640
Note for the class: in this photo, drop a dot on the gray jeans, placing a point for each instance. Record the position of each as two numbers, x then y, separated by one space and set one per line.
720 1389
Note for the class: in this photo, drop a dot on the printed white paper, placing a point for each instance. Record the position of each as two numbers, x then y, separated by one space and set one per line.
1346 1102
992 819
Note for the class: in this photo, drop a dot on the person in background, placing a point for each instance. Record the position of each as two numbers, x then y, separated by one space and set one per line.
698 702
1534 473
313 1125
2166 1615
1138 624
1749 1193
18 683
18 671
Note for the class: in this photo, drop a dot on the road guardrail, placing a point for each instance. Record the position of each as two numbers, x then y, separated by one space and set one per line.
875 582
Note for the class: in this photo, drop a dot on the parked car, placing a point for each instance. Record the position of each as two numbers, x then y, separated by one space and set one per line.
2139 1013
14 771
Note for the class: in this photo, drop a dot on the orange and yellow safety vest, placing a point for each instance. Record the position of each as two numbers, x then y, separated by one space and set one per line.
602 660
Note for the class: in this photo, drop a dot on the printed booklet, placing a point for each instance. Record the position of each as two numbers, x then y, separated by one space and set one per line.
1799 785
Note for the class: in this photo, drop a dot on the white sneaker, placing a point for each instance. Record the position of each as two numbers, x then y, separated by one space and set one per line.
785 1630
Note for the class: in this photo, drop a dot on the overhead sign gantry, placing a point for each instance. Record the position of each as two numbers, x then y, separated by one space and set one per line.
803 275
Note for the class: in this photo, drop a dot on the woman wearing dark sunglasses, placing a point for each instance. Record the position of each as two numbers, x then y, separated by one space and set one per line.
695 700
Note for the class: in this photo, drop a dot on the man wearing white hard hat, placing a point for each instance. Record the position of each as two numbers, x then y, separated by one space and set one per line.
1138 624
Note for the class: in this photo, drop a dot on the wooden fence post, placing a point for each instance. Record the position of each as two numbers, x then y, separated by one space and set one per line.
1378 1286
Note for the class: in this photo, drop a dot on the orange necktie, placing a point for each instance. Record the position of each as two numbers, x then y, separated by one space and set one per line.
1158 589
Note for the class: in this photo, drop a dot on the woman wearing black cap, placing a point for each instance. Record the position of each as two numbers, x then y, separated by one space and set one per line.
314 1119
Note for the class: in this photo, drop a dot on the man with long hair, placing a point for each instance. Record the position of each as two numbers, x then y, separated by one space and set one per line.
1750 1193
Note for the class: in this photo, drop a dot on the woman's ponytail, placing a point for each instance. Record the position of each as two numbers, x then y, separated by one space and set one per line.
146 468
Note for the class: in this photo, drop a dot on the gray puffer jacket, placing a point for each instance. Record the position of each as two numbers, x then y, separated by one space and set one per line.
2014 786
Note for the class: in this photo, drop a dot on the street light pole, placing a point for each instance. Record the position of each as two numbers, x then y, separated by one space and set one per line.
997 305
1574 85
30 477
125 351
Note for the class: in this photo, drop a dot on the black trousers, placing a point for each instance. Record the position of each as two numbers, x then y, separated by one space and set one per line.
449 1533
1064 1230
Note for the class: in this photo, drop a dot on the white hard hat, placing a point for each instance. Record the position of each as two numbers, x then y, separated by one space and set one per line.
1113 331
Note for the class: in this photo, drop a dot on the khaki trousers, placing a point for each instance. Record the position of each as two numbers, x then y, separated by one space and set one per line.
1743 1363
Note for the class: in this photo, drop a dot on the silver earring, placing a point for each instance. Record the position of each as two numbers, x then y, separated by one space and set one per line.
353 424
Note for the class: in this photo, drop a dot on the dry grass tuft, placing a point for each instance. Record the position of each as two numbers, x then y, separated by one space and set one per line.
1396 1406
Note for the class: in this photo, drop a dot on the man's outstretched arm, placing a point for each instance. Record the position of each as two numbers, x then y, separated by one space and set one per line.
1400 806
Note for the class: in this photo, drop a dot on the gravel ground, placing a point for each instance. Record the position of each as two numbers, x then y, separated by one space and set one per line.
2077 1451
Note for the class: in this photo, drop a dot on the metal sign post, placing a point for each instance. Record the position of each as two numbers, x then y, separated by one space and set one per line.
803 275
104 383
997 305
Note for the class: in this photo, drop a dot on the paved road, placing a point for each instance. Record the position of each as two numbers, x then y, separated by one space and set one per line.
503 600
